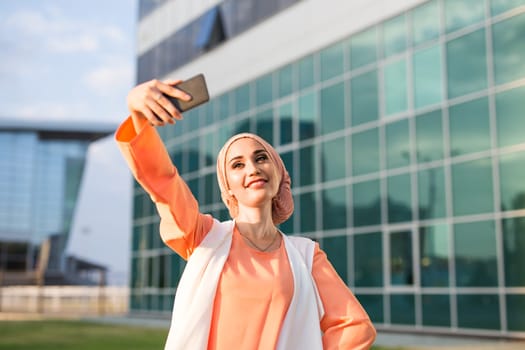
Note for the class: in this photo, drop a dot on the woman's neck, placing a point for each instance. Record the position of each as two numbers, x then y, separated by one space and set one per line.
256 224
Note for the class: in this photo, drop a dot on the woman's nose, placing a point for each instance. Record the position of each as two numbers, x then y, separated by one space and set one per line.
252 168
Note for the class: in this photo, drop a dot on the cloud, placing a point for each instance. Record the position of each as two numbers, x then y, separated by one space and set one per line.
109 78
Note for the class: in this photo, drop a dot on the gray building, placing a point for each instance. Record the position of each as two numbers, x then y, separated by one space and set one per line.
402 125
41 167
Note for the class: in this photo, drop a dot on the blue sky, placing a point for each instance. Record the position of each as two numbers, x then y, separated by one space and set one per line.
75 61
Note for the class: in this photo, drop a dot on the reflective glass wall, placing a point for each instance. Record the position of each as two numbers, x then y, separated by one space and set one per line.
406 149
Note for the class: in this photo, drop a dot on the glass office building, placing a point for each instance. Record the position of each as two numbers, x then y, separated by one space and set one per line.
41 167
404 137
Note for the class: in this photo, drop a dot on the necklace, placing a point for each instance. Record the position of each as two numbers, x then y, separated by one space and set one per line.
259 248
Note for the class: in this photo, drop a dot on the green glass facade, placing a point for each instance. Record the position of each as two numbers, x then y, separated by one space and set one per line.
406 149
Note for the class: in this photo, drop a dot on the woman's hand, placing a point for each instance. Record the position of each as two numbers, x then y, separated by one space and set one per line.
147 102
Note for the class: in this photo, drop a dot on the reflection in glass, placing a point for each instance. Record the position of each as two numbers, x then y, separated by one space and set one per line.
431 193
395 87
434 255
429 137
426 22
427 76
335 249
332 61
308 207
397 144
476 264
478 311
512 173
402 309
466 64
286 120
509 58
363 48
499 6
401 262
333 159
306 72
264 125
366 203
368 260
469 127
399 198
365 152
285 76
472 189
514 251
461 13
306 166
373 304
307 116
334 208
263 89
436 310
332 108
509 117
242 98
364 98
394 35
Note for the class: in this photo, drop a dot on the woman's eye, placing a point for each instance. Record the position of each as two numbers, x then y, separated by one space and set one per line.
237 165
261 158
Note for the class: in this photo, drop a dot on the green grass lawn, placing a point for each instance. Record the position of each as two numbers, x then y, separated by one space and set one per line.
78 335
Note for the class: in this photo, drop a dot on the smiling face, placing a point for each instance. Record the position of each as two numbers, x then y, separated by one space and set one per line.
251 175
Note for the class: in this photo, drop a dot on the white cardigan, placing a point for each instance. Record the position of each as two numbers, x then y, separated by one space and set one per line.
192 310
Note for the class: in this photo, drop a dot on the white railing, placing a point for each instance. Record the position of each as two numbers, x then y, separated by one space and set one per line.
75 301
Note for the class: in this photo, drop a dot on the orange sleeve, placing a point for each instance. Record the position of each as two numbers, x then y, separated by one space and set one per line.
182 226
345 324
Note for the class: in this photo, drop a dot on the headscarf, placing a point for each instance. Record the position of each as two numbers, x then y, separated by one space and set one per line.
282 203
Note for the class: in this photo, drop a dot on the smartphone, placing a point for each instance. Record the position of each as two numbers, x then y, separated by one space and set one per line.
196 88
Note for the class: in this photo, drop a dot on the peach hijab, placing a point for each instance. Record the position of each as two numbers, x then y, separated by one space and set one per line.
282 203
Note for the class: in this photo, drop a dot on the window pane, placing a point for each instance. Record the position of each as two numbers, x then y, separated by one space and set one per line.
373 304
466 64
500 6
394 35
515 320
431 193
365 152
434 253
307 116
308 212
401 265
263 90
307 166
509 58
395 89
333 159
306 72
333 108
461 13
472 197
264 125
334 208
335 249
509 117
366 201
469 127
429 137
368 260
402 309
512 173
397 144
364 99
242 98
436 310
476 264
363 48
426 22
286 120
285 76
478 311
399 198
514 251
332 61
427 77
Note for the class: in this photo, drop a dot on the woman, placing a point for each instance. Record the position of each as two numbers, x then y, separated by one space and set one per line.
246 285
